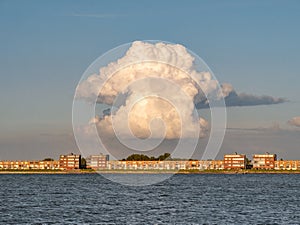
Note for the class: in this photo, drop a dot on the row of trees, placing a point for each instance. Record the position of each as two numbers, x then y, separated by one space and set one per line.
141 157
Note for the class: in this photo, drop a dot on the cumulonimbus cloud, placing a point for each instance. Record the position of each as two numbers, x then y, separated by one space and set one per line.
144 63
295 121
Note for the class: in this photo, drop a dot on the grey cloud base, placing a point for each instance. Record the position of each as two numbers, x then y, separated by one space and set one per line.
242 99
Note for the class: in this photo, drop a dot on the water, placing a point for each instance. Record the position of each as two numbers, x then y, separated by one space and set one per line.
182 199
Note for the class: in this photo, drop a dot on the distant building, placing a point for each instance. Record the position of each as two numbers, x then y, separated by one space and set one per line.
166 165
97 162
70 161
264 161
235 161
211 164
49 165
287 165
27 165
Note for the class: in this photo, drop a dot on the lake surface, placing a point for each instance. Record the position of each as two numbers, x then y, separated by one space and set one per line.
182 199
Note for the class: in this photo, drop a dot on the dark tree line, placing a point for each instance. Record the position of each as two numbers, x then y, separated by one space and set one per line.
141 157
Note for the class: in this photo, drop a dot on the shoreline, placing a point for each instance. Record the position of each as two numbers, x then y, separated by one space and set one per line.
83 171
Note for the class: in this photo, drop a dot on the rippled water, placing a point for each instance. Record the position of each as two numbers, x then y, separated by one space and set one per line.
182 199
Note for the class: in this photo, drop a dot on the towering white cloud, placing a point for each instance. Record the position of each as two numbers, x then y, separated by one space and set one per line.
143 60
154 90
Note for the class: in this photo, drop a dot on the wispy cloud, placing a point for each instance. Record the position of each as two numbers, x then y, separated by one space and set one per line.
98 15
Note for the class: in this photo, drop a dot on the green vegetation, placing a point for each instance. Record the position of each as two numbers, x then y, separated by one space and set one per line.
83 163
141 157
48 159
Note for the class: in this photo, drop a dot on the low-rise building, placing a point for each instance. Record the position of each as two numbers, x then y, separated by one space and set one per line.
235 161
287 165
27 165
97 162
70 161
264 161
210 164
151 165
166 165
49 165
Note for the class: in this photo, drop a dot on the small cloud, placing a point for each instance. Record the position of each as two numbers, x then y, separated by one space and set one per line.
295 121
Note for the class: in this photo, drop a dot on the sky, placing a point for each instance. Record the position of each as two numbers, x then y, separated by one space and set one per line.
45 47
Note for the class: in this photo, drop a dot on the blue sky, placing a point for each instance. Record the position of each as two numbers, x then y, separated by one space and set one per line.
45 46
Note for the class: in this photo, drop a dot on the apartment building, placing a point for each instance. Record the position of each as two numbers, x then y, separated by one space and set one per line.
235 161
166 165
97 162
264 161
70 161
49 165
27 165
150 165
287 165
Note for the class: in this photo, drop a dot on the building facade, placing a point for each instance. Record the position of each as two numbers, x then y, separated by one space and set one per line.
97 162
27 165
264 161
70 161
166 165
235 161
287 165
